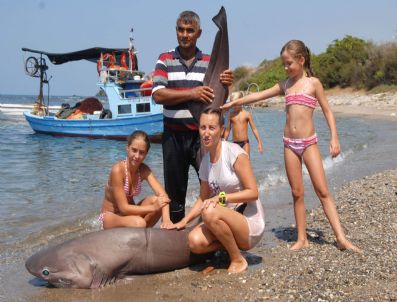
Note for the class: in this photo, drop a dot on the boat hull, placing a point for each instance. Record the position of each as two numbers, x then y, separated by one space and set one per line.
119 128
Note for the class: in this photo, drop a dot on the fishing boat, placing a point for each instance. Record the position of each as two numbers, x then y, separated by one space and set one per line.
128 105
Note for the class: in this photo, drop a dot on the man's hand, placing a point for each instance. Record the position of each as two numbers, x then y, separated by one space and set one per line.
204 94
227 77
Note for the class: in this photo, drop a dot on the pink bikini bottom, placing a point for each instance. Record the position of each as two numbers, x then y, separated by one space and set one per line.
299 145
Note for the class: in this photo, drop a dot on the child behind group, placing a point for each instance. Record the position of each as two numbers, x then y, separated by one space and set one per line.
238 121
302 92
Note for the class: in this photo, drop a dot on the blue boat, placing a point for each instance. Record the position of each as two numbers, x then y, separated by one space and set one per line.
128 105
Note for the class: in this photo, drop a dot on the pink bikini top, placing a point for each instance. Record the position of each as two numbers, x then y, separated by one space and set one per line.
299 98
137 190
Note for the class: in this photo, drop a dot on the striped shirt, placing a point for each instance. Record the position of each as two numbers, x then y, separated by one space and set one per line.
171 72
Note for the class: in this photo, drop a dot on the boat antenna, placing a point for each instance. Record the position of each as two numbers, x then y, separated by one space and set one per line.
131 53
131 45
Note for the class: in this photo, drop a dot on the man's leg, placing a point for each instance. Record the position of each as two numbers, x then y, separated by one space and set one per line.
176 171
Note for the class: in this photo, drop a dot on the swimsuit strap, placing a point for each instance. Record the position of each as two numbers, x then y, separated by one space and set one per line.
126 181
308 80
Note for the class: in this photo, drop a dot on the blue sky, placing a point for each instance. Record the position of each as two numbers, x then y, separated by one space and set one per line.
257 31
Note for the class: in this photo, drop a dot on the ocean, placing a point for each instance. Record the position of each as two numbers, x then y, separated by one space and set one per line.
51 188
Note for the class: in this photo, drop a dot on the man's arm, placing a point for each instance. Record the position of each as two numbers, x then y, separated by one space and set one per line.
204 94
167 96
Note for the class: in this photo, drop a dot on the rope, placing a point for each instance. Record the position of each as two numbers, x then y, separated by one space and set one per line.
250 107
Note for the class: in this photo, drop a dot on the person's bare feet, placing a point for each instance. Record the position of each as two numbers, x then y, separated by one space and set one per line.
238 266
300 244
345 244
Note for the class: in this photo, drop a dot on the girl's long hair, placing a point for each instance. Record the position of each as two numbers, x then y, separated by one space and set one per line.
298 49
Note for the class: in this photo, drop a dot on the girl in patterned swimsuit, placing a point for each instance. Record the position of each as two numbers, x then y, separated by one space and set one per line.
124 183
302 92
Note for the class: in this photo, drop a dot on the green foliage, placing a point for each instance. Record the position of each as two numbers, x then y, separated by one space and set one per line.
270 73
347 62
343 63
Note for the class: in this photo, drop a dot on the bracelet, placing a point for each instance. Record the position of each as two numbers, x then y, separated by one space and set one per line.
222 199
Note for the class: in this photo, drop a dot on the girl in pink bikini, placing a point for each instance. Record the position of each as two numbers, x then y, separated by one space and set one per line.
302 93
119 208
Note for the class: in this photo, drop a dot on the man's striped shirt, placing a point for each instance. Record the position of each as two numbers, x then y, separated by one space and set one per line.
171 72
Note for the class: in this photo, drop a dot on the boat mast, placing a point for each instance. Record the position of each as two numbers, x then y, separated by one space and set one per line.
131 51
40 97
37 67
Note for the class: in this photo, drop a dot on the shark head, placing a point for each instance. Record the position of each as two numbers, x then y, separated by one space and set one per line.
66 268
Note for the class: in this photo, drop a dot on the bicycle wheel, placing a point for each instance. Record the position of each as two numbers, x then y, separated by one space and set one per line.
31 66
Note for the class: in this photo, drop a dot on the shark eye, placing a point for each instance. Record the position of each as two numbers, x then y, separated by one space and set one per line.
45 272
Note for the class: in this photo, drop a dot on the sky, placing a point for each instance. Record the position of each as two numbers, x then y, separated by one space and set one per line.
257 31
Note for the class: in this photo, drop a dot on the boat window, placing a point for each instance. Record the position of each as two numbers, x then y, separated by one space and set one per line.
143 107
124 109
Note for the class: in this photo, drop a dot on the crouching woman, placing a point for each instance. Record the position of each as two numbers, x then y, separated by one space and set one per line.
232 214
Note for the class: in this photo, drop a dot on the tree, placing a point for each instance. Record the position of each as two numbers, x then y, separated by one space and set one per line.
343 62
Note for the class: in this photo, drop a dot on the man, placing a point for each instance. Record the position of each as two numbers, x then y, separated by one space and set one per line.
178 80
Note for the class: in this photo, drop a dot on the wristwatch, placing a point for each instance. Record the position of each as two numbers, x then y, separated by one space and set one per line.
222 199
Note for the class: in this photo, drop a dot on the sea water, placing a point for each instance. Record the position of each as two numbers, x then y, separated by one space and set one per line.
53 186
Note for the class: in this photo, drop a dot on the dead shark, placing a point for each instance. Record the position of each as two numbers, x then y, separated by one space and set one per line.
99 258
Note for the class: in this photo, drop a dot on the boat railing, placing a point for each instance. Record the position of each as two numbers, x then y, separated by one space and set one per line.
128 84
119 75
141 92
